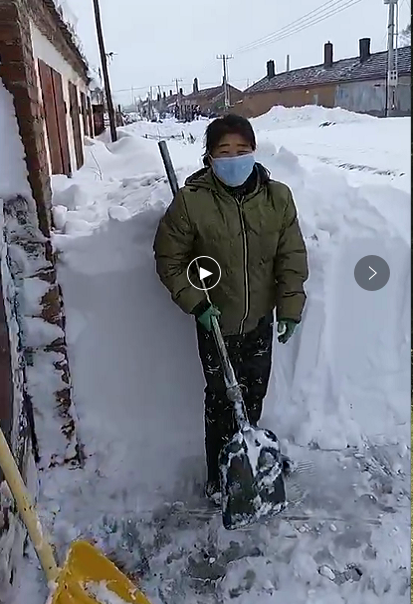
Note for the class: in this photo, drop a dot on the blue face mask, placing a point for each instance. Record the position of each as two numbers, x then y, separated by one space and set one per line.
233 171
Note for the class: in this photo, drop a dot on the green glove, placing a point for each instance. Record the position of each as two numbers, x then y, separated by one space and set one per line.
286 328
205 317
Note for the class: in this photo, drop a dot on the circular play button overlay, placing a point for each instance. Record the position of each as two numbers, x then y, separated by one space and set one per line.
372 273
206 269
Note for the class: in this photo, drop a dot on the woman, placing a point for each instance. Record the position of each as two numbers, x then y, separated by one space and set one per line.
233 212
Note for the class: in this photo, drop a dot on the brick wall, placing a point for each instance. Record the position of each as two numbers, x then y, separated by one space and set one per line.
258 103
18 75
15 417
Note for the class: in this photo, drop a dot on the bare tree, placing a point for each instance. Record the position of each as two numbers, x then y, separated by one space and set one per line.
405 37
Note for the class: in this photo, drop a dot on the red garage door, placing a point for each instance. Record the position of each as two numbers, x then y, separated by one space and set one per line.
55 115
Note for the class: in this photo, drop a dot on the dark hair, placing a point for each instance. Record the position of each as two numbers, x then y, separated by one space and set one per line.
229 124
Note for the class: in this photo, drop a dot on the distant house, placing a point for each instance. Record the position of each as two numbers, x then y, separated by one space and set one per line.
357 84
211 100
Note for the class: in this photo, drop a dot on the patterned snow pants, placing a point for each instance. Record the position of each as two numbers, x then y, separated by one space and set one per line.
250 355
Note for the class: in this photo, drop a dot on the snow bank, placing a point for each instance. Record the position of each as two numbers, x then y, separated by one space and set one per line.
349 362
296 117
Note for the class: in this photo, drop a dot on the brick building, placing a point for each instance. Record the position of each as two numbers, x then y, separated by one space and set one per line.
44 114
357 84
56 74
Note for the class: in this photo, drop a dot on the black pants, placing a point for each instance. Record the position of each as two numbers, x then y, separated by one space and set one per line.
250 355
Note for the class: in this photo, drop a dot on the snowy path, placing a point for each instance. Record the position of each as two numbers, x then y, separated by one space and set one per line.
339 396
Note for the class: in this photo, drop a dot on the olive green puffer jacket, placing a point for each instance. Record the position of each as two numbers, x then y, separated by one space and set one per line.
256 240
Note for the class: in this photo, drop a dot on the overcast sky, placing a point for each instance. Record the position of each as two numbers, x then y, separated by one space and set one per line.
156 42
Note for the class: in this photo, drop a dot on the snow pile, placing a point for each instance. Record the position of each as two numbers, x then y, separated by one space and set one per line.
296 117
339 397
362 146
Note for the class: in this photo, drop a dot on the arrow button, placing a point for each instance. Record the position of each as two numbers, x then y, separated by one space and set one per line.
369 267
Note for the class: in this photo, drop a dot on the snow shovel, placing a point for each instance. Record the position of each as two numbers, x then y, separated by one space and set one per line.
87 577
251 465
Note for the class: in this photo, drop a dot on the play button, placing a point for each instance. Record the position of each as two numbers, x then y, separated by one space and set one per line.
206 269
203 273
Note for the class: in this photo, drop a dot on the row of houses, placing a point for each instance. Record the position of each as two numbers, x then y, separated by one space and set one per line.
358 83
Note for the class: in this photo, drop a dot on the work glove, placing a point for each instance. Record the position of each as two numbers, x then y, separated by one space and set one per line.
205 317
286 328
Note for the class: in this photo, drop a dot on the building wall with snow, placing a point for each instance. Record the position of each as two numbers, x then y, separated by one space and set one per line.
357 84
15 415
28 256
45 51
258 103
370 96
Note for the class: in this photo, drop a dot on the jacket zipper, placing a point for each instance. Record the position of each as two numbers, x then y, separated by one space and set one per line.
245 263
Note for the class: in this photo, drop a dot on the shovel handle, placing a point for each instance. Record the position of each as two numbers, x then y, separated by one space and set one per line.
234 393
26 510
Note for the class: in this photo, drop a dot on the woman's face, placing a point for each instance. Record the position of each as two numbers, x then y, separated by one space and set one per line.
232 145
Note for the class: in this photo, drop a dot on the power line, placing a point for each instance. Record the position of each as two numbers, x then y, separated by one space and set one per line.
306 21
136 88
293 23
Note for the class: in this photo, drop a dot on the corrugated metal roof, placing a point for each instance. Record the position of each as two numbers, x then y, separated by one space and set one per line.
345 70
208 94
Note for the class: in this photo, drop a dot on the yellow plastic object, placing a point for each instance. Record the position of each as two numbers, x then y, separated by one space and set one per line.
85 565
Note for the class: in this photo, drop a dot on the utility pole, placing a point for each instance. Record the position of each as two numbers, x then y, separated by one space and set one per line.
103 58
178 96
224 59
150 104
287 63
392 75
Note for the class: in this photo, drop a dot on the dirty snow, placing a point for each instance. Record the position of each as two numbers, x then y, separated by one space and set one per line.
339 398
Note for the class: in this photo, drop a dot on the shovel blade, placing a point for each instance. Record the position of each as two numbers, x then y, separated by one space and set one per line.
88 577
252 481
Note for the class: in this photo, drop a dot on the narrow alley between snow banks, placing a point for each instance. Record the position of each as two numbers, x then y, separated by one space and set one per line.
339 395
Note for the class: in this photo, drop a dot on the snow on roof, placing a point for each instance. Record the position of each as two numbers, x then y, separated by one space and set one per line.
345 70
208 94
60 11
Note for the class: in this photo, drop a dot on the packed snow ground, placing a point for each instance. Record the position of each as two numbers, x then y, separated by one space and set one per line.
339 396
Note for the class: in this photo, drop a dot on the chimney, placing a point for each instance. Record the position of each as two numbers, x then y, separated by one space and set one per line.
195 88
270 69
181 91
164 95
287 66
158 97
328 54
364 45
170 93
